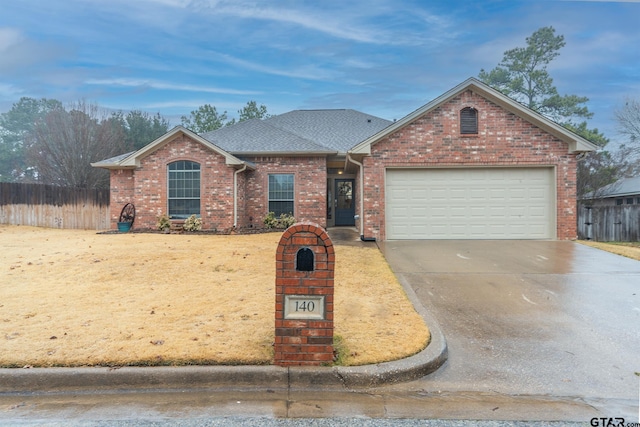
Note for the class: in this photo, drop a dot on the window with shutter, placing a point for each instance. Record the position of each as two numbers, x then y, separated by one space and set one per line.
469 121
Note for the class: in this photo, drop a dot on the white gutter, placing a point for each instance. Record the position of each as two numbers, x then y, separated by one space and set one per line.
235 195
361 188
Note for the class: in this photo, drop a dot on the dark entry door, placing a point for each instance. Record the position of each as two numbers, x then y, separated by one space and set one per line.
345 206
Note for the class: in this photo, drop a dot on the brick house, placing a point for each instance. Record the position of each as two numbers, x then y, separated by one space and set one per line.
471 164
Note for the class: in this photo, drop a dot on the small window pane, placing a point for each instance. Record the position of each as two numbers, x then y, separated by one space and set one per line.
281 194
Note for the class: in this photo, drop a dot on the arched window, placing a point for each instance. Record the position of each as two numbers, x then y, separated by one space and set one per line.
469 121
184 189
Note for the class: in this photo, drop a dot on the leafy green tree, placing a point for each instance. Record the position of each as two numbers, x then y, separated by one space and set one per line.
592 135
205 119
65 143
15 125
253 111
522 75
141 128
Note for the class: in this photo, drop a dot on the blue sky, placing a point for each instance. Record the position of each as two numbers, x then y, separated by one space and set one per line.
383 57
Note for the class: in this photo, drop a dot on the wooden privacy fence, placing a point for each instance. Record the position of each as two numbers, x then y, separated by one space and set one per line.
51 206
609 223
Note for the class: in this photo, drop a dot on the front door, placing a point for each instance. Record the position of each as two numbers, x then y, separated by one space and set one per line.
345 206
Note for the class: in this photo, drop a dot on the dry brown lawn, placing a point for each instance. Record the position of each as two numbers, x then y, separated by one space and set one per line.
627 249
78 298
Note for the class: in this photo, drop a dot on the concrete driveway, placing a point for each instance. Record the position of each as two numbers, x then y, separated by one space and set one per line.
538 318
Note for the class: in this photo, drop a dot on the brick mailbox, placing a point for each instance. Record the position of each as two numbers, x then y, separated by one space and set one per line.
305 262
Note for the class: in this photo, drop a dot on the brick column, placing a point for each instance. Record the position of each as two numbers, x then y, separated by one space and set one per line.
305 261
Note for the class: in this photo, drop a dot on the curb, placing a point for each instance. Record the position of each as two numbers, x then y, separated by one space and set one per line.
40 380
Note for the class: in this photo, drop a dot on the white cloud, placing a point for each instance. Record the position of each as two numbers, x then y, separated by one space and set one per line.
8 91
345 21
317 21
19 53
9 37
309 72
167 86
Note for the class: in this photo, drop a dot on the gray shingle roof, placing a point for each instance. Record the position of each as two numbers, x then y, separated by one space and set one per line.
112 160
620 188
256 136
299 131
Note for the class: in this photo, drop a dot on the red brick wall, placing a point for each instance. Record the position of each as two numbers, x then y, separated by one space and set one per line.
503 139
304 341
121 182
146 187
310 182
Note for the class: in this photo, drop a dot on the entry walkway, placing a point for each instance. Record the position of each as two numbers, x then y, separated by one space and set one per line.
346 236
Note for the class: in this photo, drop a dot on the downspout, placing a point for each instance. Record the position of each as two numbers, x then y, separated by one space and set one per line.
235 195
364 239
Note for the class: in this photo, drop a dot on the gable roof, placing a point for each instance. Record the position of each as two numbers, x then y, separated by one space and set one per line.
576 143
621 188
132 160
299 132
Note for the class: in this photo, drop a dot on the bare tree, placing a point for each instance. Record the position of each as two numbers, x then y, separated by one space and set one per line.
65 143
597 170
628 119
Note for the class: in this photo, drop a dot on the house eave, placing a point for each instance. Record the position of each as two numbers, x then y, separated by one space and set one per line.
284 153
110 166
612 196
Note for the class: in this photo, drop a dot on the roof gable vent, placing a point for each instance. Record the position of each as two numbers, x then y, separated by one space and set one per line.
469 121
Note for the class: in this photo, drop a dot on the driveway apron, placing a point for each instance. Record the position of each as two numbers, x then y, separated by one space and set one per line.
529 317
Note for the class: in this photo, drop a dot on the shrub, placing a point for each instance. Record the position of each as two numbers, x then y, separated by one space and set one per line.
284 221
193 223
164 222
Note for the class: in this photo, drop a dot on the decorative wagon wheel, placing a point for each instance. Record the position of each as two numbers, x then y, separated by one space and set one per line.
128 213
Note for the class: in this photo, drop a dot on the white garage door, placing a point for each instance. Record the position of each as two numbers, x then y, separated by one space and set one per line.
482 203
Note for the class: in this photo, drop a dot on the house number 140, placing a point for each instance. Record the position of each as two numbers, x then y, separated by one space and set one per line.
304 307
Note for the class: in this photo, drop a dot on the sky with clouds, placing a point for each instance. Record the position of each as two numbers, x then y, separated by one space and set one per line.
383 57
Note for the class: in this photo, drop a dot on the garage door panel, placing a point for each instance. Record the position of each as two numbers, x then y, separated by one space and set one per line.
537 211
480 203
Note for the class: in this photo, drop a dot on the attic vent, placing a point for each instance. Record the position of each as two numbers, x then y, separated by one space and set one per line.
469 121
